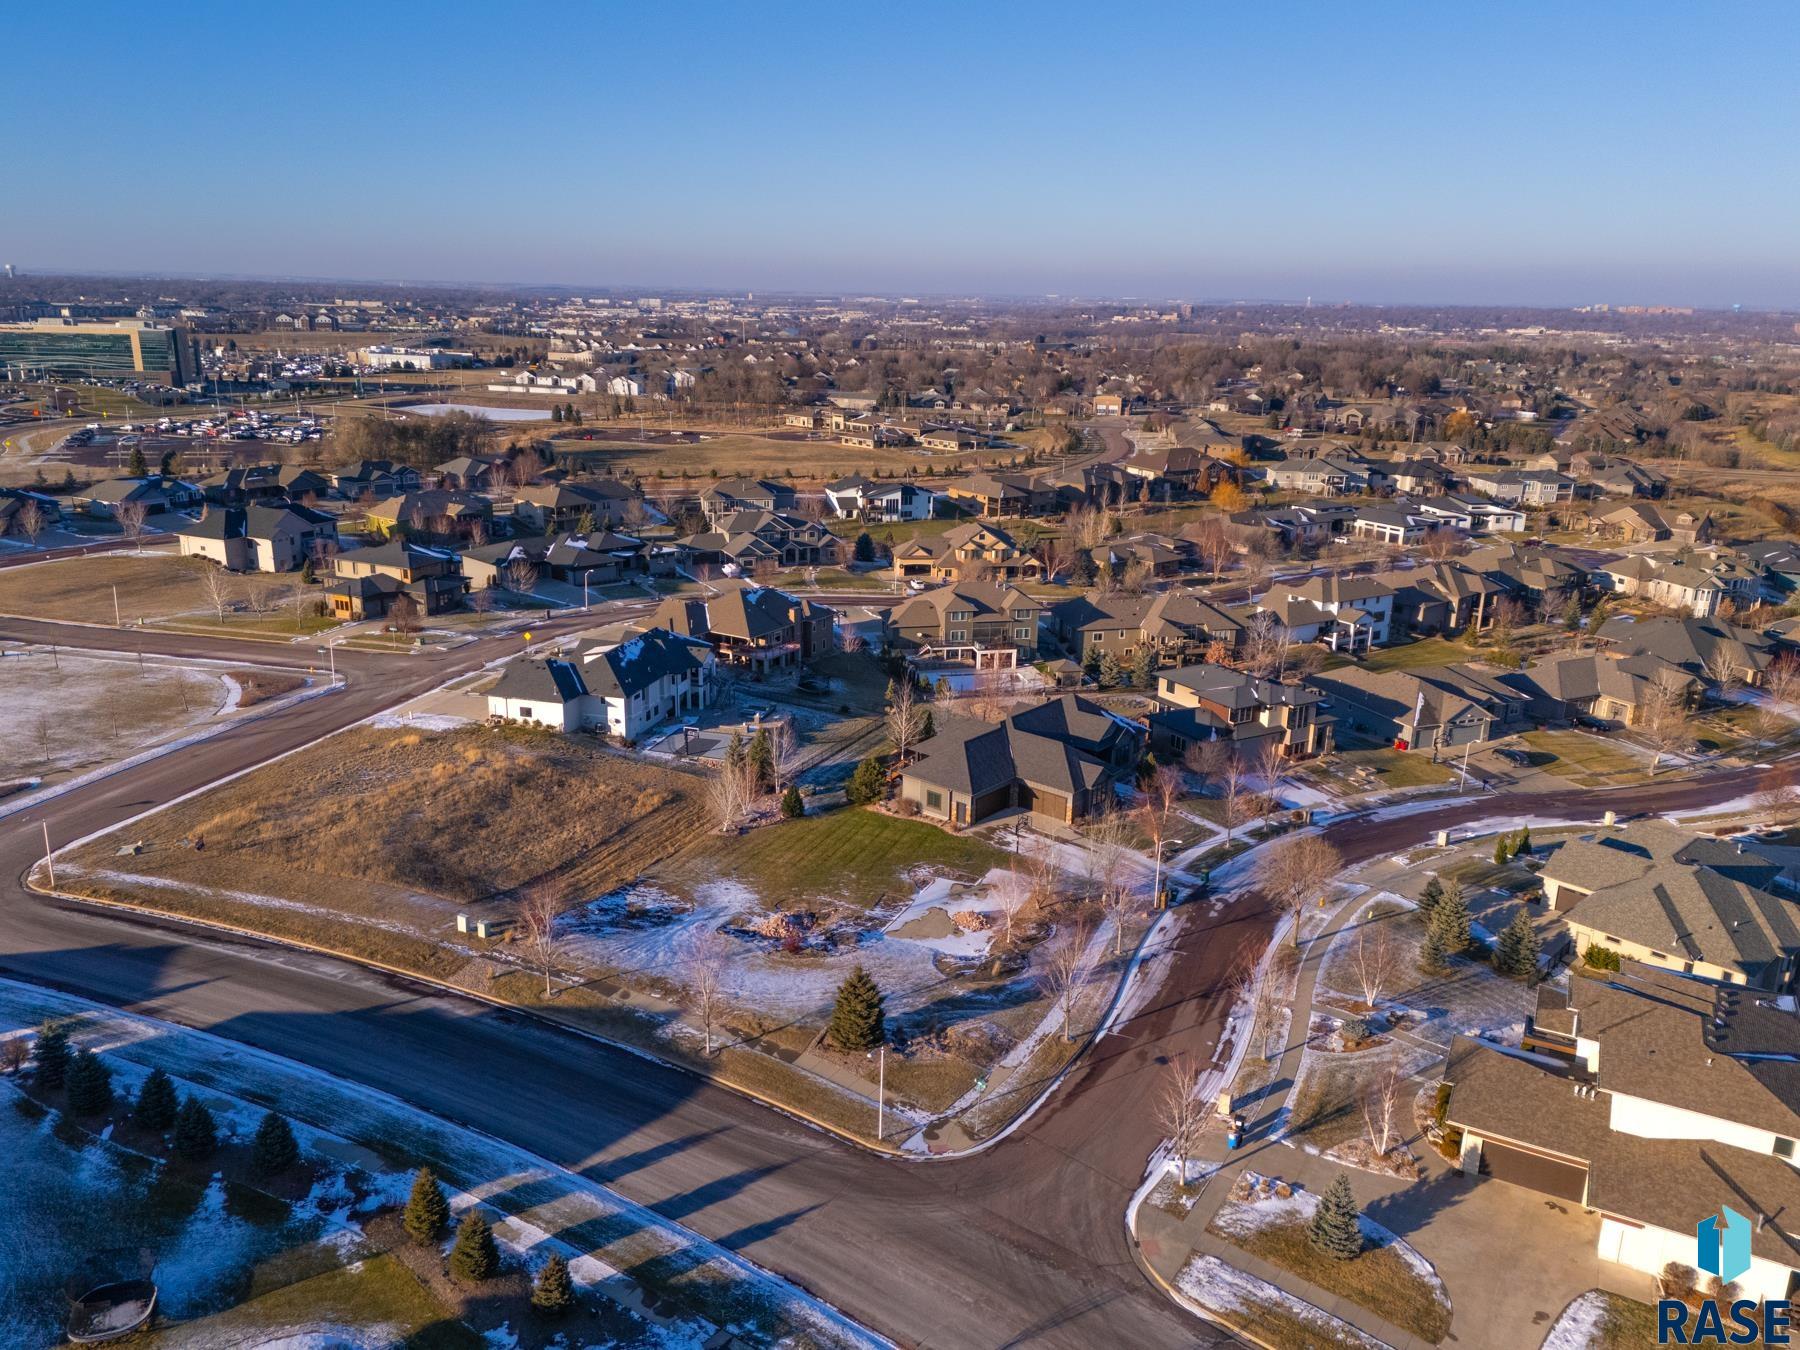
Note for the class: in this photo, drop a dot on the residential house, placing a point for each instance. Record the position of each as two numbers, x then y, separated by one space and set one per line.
1540 578
371 581
438 513
1663 896
580 561
748 539
1303 525
622 689
1652 1100
1428 707
1702 647
155 494
982 624
1644 523
1177 471
576 504
263 482
1201 703
729 496
1441 597
469 473
876 500
756 628
1696 585
1059 761
1396 524
17 508
997 495
1331 474
974 551
1156 555
1420 477
1361 607
256 538
1176 625
375 478
1111 405
1475 515
1523 487
1606 689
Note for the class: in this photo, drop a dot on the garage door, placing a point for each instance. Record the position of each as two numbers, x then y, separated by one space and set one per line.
1565 1180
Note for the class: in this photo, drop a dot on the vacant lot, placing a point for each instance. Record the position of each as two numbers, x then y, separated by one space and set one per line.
371 840
720 454
1588 761
81 589
1391 769
65 712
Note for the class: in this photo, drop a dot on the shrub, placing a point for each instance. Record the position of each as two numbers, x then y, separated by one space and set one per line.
907 807
1597 957
1355 1031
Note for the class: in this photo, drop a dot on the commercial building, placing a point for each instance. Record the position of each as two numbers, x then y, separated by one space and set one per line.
121 349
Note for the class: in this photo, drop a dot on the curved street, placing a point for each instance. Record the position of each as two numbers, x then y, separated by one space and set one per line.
1023 1244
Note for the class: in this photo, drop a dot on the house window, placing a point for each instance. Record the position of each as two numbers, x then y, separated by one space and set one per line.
959 635
524 712
1784 1148
934 800
1022 633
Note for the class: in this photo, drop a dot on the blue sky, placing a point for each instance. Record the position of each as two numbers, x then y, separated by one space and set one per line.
1445 152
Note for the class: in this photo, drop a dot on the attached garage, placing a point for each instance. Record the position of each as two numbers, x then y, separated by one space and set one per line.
1055 805
1535 1171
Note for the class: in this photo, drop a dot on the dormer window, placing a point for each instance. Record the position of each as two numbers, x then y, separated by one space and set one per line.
1784 1148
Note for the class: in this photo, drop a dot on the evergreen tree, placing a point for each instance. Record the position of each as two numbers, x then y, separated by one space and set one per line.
1143 666
1110 670
1084 569
553 1291
1516 949
1524 842
868 784
1450 921
156 1103
195 1134
556 412
1090 664
137 467
792 807
427 1216
1433 959
761 756
474 1257
1429 897
865 548
735 751
1337 1222
1501 850
51 1055
274 1150
857 1020
308 575
90 1085
927 726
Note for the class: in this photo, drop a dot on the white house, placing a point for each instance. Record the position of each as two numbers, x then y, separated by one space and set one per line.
621 688
869 499
1364 609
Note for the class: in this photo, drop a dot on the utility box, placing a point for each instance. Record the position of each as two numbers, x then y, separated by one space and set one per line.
1443 839
462 923
481 928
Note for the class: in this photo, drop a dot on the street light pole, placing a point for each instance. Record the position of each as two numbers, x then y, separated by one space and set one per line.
880 1089
49 859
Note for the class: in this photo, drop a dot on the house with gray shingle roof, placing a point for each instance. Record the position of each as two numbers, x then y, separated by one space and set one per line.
623 689
1651 1099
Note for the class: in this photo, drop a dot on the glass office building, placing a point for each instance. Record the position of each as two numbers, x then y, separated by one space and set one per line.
124 350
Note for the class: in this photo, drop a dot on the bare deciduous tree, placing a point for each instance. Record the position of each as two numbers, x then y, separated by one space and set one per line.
1295 871
705 961
1179 1113
131 517
1266 644
539 909
32 520
1161 794
1271 768
904 718
521 576
1723 670
1377 958
216 582
1778 793
730 792
1064 970
1662 719
1382 1103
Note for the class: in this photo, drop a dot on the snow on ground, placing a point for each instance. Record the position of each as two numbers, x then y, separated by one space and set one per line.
418 721
1240 1218
1581 1324
1209 1285
532 1198
96 708
643 929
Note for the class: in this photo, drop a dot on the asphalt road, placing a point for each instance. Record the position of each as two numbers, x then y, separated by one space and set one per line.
1021 1245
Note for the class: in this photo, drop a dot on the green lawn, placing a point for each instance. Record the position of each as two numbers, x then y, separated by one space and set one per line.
856 855
1411 655
1392 768
1727 727
1587 761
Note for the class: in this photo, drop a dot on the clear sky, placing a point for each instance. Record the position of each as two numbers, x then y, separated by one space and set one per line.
1453 152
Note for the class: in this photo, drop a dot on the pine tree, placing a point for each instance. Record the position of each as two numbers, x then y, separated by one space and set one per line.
553 1291
1501 851
735 751
927 726
1450 921
1143 665
1337 1222
792 806
556 412
1110 670
274 1150
868 784
474 1257
761 757
427 1216
857 1020
51 1055
1516 949
156 1103
196 1137
90 1085
1433 959
1090 664
1524 842
137 467
865 548
1429 897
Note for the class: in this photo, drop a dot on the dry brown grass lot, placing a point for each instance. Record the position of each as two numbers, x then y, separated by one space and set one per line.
369 840
731 453
81 589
